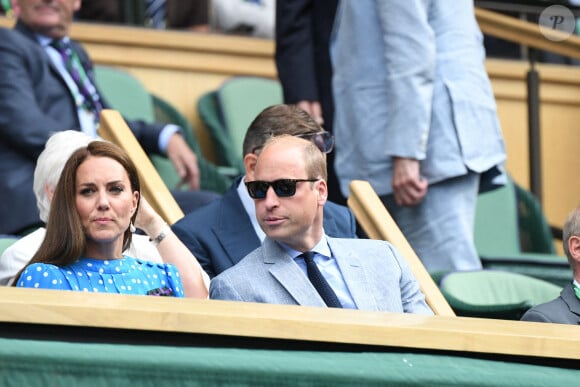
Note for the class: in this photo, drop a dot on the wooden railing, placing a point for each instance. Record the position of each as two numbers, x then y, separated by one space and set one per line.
286 322
527 34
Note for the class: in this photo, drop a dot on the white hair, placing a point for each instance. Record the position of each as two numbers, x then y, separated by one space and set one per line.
59 147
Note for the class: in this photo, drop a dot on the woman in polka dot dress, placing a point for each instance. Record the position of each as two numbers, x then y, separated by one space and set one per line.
94 204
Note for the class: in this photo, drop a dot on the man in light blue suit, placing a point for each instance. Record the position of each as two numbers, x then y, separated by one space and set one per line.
221 233
416 117
289 189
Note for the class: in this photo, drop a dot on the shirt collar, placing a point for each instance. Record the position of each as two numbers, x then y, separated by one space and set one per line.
45 40
321 248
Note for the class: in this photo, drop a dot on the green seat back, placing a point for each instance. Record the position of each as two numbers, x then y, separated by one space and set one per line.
495 294
496 222
535 233
240 100
125 93
207 109
213 178
508 218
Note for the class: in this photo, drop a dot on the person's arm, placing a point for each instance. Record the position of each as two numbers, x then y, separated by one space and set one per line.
535 315
184 161
409 79
172 250
43 276
413 300
221 289
409 188
23 124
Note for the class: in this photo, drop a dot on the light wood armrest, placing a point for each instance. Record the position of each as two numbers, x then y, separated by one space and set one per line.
379 224
114 128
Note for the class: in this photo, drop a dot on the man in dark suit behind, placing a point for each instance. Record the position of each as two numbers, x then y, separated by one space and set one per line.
223 232
566 308
303 29
38 97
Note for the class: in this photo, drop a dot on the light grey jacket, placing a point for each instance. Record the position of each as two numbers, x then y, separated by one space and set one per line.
410 81
376 275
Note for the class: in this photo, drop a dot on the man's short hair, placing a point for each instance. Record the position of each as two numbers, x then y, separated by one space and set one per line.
276 120
571 228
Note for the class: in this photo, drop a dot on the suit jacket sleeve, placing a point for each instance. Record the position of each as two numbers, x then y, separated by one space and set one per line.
410 72
24 125
220 288
535 315
412 298
295 57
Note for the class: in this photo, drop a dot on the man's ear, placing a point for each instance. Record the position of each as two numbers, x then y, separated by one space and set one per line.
250 165
574 246
322 188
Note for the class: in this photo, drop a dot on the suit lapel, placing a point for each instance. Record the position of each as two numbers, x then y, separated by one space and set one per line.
25 31
354 276
290 276
570 298
234 230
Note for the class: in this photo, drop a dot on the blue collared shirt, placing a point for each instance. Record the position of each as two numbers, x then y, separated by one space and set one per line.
328 267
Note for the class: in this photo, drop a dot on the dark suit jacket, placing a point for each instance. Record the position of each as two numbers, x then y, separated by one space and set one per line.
562 310
35 102
303 29
220 234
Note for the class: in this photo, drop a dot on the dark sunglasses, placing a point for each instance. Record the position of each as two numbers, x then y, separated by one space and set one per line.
323 140
283 188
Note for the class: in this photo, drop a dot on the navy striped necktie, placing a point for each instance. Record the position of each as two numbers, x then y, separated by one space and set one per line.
155 13
72 62
319 282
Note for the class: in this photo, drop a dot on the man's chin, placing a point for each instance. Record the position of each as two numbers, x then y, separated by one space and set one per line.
48 27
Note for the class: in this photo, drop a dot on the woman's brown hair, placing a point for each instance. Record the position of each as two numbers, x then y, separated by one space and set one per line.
65 240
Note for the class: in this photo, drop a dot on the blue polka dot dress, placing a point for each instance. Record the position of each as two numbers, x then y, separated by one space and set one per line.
125 276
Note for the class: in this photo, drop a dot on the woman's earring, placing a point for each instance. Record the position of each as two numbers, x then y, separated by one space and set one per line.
132 227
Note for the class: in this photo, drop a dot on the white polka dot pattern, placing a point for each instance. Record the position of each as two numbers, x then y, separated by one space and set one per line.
127 276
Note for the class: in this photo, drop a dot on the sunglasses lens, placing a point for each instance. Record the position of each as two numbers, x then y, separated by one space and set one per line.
328 143
284 187
257 189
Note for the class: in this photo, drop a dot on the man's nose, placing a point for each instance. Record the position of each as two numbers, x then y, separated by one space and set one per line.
271 199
